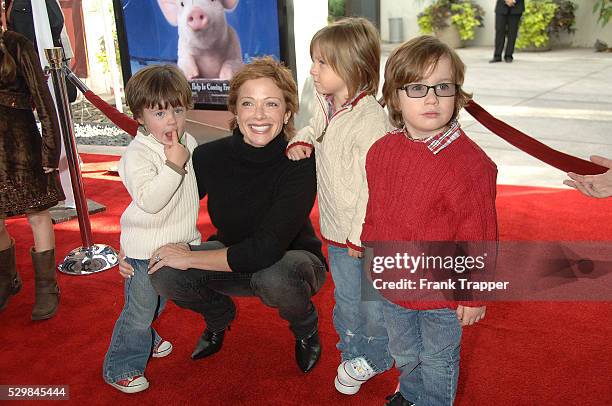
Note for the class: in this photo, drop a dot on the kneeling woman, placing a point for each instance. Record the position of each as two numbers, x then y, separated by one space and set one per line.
259 201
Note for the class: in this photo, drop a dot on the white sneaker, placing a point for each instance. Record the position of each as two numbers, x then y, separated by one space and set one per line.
134 384
352 374
163 349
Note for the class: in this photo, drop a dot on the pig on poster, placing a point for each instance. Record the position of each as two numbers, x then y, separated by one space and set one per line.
208 40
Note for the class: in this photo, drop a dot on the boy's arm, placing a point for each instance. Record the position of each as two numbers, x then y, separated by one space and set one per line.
371 129
151 189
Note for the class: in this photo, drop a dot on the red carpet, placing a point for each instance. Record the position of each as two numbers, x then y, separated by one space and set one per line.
522 353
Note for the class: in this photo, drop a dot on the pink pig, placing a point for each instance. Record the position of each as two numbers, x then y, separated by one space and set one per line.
207 46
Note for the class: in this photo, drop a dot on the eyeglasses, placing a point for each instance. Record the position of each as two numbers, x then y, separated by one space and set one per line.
418 90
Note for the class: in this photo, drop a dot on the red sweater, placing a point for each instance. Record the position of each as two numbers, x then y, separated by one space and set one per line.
415 195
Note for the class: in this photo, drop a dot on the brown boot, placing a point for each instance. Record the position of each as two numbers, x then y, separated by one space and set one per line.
10 283
47 291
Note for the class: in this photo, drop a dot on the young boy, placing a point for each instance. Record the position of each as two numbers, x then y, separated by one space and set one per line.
158 173
427 182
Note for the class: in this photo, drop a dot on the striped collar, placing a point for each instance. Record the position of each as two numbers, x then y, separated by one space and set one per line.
438 142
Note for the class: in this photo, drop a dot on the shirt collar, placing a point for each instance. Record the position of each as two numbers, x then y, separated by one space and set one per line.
330 102
438 142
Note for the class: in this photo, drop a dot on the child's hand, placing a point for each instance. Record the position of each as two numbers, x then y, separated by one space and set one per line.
470 315
299 152
175 152
354 253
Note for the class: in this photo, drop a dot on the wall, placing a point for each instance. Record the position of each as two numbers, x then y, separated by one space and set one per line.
587 28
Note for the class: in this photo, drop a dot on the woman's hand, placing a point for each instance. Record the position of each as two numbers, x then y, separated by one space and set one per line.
49 170
299 152
125 269
177 256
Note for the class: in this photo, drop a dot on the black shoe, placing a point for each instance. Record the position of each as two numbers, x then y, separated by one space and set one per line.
397 400
495 60
508 59
208 344
307 351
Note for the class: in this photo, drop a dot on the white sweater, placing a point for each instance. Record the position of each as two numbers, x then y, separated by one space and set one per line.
340 155
165 204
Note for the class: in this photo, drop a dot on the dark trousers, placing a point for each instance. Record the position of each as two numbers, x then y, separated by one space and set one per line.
506 25
287 285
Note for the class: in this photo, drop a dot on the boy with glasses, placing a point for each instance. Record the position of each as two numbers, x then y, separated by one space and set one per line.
428 182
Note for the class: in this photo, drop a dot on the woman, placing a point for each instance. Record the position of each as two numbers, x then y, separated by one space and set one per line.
29 182
259 201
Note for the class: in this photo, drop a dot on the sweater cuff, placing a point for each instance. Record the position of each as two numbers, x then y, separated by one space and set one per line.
176 168
295 144
354 246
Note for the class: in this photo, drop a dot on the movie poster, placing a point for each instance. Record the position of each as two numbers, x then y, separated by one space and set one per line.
208 40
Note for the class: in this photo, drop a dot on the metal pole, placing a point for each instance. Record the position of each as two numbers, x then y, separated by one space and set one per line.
89 258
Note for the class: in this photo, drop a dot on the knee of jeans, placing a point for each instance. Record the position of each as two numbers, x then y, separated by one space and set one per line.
312 274
168 282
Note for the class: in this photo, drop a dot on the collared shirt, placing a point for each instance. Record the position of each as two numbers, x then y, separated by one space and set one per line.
438 142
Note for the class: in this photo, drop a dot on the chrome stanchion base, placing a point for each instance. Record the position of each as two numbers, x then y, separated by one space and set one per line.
85 261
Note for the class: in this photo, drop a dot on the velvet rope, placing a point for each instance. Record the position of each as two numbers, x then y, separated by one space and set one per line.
127 124
557 159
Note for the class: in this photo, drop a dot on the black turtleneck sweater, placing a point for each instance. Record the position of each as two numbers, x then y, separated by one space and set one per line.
258 200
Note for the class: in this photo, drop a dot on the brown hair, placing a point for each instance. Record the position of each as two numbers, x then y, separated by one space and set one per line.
412 61
266 67
157 86
351 46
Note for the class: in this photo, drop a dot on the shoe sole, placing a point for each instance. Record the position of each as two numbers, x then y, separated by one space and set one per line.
164 353
345 389
130 389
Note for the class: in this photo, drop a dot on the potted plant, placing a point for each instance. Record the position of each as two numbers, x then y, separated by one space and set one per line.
543 18
453 21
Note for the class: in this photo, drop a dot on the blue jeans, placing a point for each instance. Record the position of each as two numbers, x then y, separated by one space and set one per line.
359 323
133 337
425 345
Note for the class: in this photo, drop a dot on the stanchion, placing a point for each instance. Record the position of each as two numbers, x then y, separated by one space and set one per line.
89 258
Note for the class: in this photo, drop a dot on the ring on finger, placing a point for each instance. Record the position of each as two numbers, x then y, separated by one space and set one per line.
157 258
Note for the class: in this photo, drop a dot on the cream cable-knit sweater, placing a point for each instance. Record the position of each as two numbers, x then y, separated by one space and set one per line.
165 204
340 160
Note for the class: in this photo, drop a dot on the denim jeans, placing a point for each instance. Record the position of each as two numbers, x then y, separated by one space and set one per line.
286 285
133 337
425 345
359 323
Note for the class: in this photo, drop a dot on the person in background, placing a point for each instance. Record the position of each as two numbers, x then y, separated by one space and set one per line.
507 19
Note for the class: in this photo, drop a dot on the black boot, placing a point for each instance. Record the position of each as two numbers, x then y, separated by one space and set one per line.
10 283
307 351
397 400
208 344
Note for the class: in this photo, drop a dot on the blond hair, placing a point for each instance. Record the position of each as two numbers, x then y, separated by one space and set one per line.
157 86
266 67
351 46
412 61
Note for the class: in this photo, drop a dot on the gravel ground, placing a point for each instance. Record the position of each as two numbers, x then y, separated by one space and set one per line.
93 128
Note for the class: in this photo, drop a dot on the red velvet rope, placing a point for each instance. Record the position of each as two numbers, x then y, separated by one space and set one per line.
560 160
127 124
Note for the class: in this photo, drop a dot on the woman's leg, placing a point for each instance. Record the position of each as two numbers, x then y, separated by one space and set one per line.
43 259
10 283
133 337
42 230
289 285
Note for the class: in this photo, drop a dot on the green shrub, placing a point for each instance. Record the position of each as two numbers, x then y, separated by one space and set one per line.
466 15
534 28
